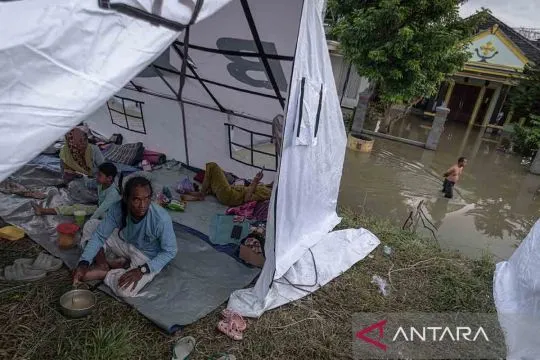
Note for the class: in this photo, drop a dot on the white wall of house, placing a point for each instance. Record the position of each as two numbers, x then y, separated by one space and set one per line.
355 84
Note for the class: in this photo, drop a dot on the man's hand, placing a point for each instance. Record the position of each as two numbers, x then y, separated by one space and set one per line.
79 273
130 277
257 179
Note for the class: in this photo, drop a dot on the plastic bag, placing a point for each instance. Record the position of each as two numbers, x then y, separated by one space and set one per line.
381 283
184 186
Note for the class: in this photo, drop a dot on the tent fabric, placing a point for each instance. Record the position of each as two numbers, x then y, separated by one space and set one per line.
516 289
241 70
310 170
62 62
309 177
335 253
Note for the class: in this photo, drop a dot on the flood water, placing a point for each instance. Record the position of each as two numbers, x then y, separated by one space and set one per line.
495 202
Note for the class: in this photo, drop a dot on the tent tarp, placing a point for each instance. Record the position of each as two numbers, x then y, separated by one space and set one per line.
247 63
62 62
516 290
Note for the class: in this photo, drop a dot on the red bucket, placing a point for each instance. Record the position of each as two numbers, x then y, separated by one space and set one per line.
66 234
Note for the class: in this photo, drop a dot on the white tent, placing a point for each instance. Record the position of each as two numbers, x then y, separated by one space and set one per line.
516 290
248 61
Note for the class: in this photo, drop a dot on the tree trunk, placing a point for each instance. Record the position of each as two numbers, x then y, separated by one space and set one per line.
392 114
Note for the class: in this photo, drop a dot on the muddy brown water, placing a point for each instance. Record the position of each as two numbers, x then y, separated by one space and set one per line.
495 202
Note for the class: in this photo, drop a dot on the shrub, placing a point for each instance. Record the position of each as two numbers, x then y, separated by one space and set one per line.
527 138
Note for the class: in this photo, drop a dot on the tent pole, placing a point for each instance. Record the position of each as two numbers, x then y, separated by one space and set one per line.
163 96
185 60
217 83
260 49
179 99
180 90
236 53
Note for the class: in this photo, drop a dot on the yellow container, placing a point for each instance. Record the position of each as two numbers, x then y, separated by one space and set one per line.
360 143
11 233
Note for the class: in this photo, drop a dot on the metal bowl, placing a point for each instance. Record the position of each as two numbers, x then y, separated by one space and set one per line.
78 303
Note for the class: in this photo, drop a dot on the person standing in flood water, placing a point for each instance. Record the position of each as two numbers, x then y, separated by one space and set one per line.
451 177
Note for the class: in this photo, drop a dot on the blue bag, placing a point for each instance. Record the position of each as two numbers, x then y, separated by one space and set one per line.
223 230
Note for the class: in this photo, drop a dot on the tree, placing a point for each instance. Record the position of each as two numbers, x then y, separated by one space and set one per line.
525 100
407 47
525 97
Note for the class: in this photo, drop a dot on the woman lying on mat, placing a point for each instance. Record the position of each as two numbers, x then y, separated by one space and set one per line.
215 183
108 194
78 157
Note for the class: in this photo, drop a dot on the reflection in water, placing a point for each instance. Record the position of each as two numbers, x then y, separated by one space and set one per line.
494 204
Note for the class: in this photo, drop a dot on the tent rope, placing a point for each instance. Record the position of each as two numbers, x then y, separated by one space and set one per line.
299 286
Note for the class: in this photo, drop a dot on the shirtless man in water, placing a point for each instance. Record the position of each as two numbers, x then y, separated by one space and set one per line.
451 177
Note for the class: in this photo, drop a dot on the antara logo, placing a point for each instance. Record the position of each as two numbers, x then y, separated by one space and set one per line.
422 334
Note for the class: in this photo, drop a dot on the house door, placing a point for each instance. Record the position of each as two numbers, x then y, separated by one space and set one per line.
462 102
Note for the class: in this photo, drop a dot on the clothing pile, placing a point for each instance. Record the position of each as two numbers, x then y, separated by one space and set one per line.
253 210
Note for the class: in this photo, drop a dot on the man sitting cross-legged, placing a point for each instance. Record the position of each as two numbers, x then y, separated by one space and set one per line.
139 232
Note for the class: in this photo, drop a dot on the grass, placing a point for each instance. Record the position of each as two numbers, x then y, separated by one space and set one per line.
421 278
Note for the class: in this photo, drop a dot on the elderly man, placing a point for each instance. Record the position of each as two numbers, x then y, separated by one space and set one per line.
139 233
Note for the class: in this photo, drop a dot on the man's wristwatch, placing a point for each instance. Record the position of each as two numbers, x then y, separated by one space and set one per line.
144 269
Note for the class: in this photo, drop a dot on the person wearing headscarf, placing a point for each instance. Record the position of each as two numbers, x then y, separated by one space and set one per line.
78 157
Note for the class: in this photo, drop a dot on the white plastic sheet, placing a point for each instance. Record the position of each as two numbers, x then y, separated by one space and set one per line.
310 174
516 290
334 253
60 60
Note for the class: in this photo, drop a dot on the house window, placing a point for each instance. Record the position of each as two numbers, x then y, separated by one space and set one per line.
127 114
252 148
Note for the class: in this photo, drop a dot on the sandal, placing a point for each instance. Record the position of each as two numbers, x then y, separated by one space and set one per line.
230 329
232 316
43 261
20 272
183 347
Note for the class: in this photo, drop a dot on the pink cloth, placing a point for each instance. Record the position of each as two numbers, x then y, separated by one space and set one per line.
245 210
154 157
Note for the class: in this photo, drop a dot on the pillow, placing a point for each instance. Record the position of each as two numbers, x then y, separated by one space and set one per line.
129 154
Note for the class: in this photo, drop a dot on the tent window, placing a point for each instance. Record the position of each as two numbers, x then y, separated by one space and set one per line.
252 148
127 114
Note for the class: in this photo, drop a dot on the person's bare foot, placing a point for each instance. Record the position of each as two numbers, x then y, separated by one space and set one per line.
119 263
100 261
193 196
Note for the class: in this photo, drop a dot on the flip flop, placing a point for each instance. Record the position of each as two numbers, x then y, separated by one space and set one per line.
232 316
20 272
230 329
183 347
42 262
